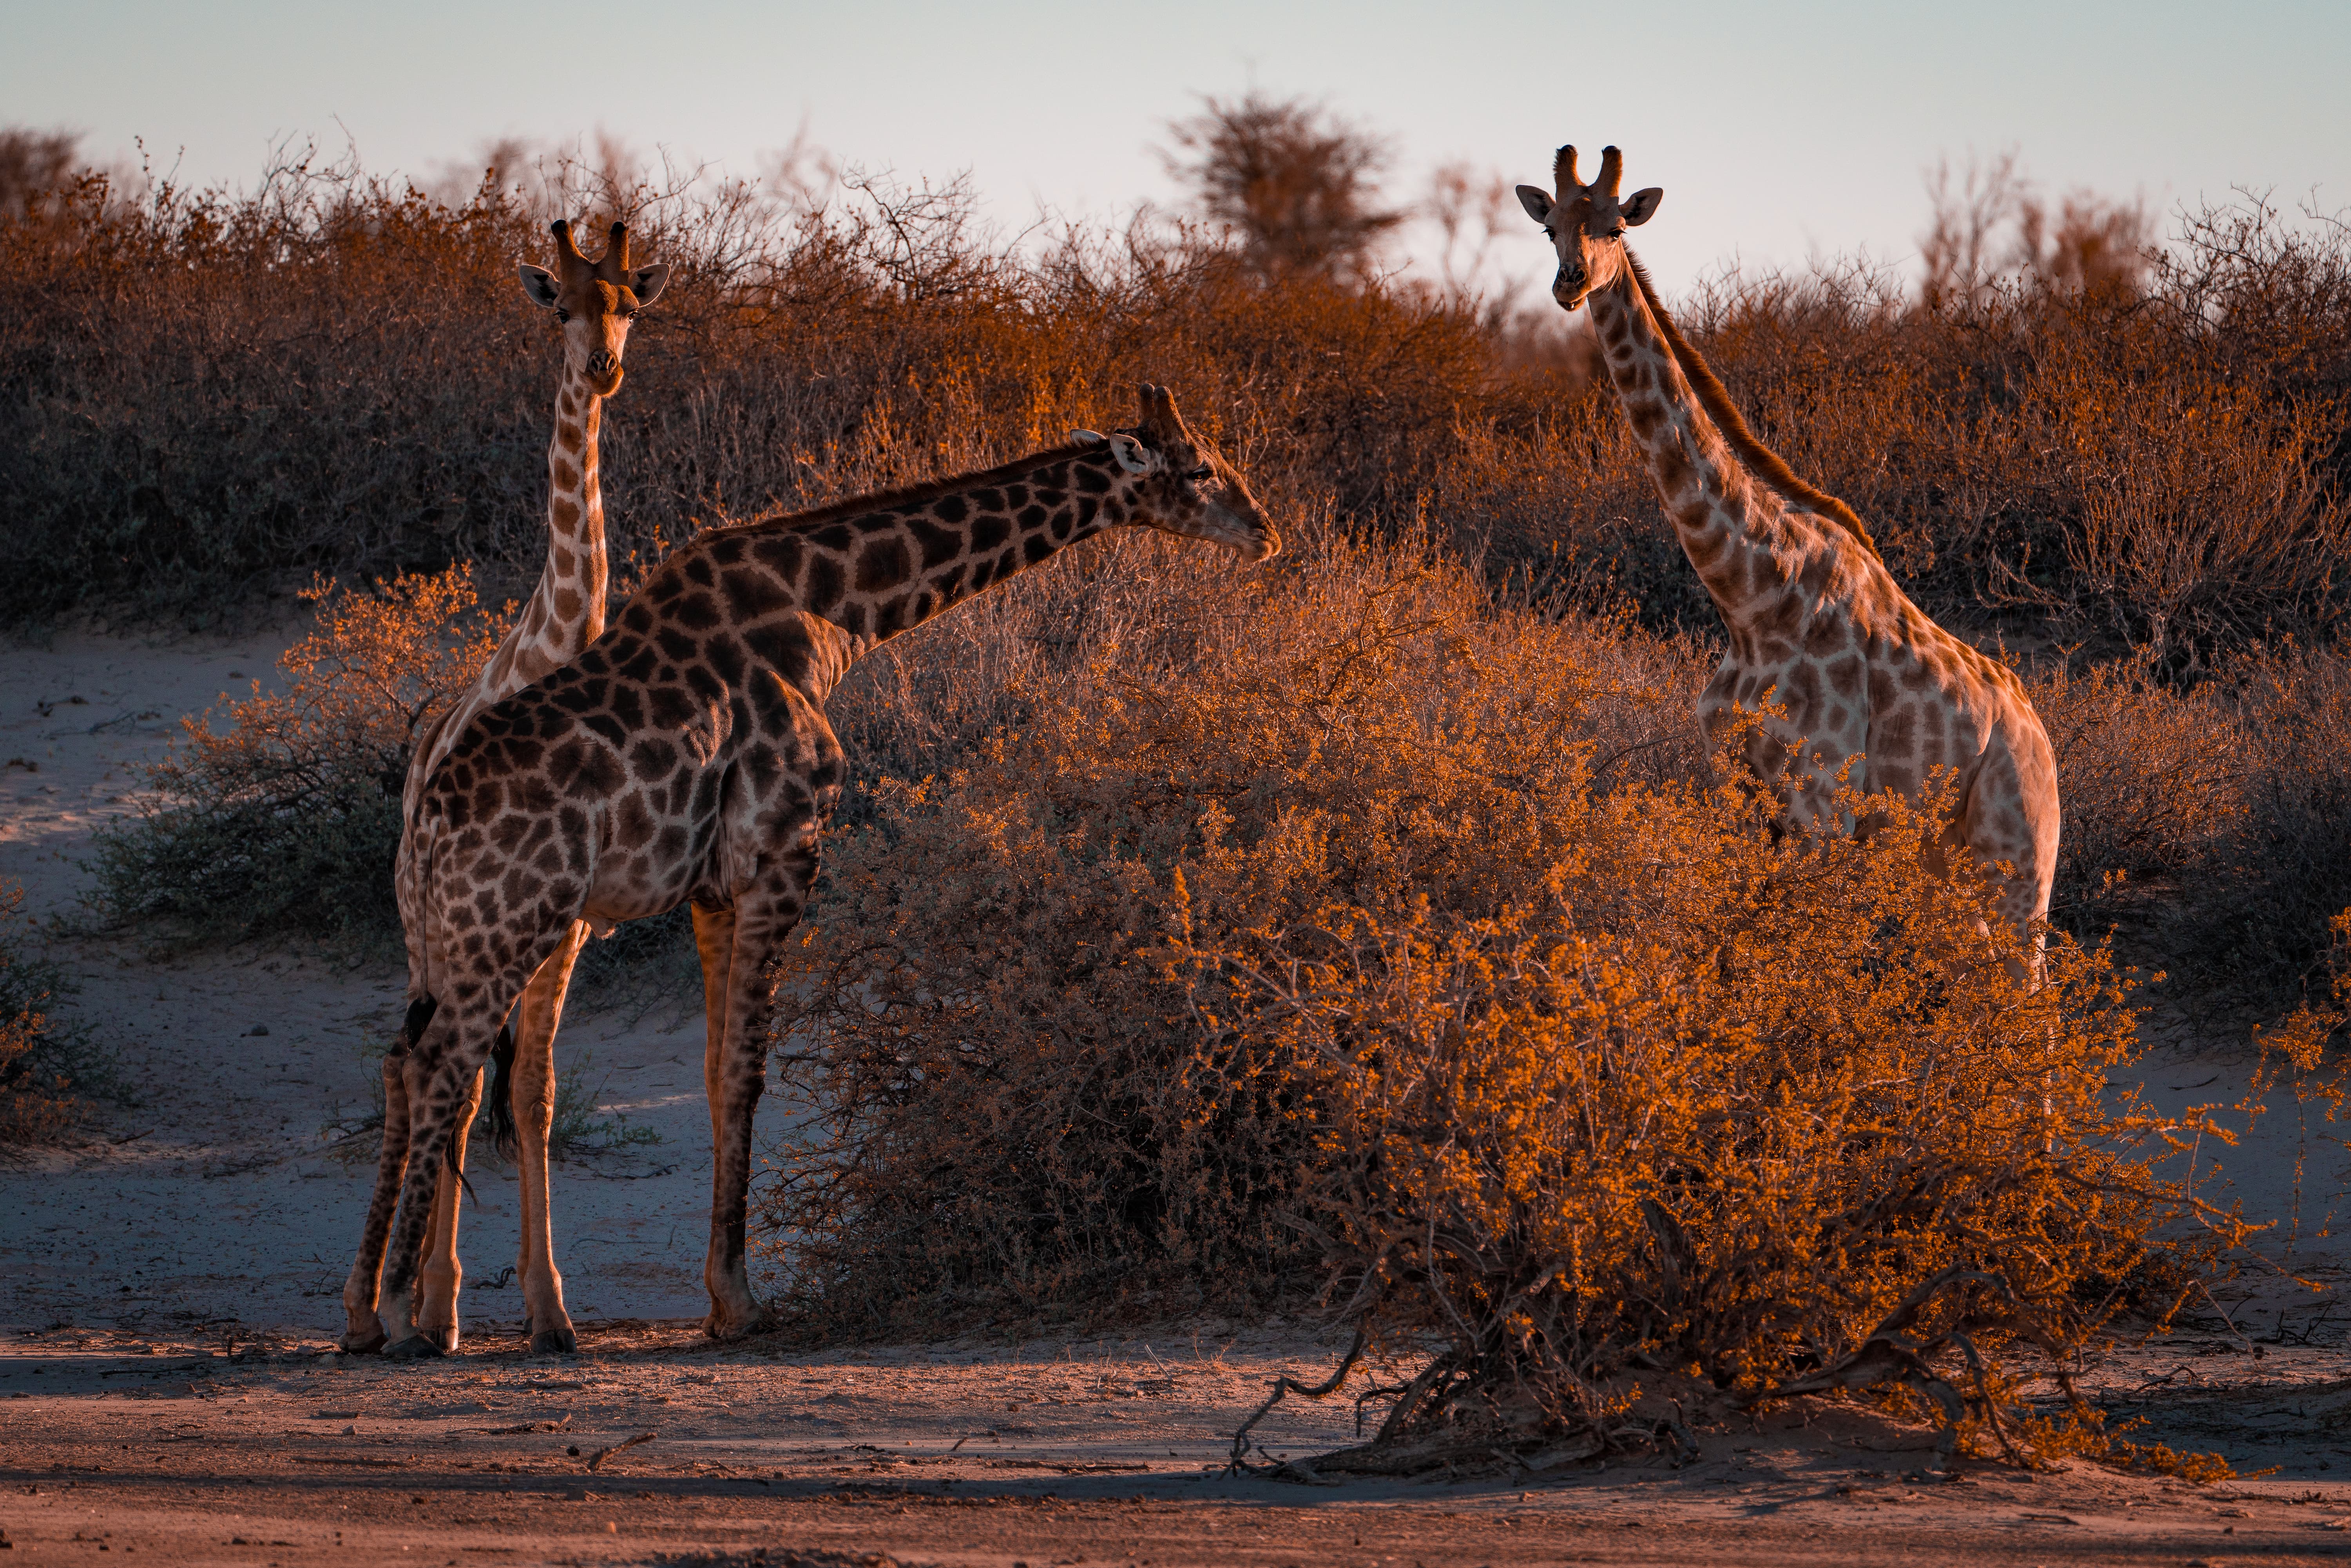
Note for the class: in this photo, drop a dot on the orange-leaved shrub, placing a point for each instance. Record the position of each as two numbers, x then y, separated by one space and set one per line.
1019 1106
50 1068
1706 1116
1378 944
280 812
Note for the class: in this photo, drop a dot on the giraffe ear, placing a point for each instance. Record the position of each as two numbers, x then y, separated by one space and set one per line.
1131 455
647 282
1642 205
1537 202
1085 438
539 284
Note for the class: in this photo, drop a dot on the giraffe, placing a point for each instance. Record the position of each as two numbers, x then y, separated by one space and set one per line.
594 302
1869 685
685 757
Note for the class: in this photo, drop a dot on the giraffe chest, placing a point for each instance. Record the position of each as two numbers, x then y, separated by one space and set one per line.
1823 697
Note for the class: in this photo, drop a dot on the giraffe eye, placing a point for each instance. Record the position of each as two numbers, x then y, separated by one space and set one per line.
562 314
1202 472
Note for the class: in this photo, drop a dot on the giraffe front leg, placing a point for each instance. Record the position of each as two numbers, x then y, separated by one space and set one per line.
538 1017
445 1272
713 941
737 1073
363 1332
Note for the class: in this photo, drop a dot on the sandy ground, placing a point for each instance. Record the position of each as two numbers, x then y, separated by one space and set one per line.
169 1292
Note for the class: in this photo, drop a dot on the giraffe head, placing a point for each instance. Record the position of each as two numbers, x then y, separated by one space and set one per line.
1187 486
1587 223
594 301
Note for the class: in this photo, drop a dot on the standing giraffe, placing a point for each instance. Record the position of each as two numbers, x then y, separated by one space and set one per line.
686 758
594 302
1869 685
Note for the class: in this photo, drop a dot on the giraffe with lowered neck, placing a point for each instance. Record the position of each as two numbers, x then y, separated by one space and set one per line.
1870 686
593 303
685 757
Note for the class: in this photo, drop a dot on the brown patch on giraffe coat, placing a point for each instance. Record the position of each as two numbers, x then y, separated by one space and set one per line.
883 564
1844 676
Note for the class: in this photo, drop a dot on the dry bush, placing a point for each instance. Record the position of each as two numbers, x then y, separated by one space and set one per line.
360 388
2257 926
2208 830
2151 782
1317 920
2204 518
50 1068
281 813
1707 1113
1018 1101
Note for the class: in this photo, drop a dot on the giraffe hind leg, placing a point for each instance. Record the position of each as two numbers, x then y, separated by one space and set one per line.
445 1272
364 1331
455 1046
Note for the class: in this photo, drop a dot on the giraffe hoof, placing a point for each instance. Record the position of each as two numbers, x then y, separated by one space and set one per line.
415 1347
366 1344
444 1337
720 1325
554 1342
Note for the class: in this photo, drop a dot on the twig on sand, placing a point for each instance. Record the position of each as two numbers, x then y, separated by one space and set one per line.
600 1454
1238 1462
556 1426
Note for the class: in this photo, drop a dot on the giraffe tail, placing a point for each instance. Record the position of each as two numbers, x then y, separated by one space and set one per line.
501 1120
412 1032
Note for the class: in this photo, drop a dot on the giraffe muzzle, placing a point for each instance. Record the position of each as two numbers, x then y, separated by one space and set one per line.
605 366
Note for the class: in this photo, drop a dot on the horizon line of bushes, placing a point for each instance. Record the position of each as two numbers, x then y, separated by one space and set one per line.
214 396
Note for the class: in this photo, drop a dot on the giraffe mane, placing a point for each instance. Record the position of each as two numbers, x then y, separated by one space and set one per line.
1767 464
916 495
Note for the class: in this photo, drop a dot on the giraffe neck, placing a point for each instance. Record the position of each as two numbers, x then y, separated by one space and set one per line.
1731 525
877 568
566 611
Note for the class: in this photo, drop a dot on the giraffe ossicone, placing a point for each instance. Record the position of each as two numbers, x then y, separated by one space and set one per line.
1855 685
685 757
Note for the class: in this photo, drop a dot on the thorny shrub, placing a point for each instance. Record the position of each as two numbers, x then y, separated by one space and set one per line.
1347 942
280 812
1014 1103
2258 928
1700 1115
50 1068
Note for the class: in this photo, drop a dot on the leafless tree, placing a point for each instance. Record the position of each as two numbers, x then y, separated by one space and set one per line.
1296 183
2087 245
1471 210
1957 246
32 162
1992 223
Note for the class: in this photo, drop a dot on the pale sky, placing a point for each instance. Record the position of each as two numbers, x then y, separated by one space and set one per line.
1780 132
